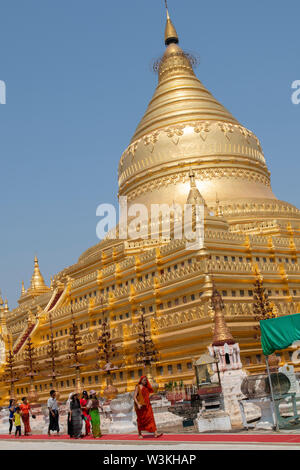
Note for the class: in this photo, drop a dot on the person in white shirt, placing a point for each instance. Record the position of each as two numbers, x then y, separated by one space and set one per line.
53 413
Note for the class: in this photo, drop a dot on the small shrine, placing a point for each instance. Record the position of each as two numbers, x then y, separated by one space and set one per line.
227 365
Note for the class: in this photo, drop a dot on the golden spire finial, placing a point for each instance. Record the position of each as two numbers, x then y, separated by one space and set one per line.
166 4
222 333
37 280
218 210
192 178
194 196
195 199
1 300
23 292
170 31
6 309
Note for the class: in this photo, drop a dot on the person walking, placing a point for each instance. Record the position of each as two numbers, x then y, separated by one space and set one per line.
17 421
53 413
85 412
75 415
143 408
93 407
69 422
25 412
11 409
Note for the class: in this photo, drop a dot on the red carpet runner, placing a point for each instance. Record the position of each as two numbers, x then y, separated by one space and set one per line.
255 438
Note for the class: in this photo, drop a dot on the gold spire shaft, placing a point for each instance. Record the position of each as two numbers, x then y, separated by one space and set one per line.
171 35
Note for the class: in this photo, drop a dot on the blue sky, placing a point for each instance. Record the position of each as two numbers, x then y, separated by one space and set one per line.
78 76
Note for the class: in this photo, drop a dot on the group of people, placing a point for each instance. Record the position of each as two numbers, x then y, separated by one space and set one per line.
18 412
83 413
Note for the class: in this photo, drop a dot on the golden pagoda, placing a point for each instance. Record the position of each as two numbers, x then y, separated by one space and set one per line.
187 145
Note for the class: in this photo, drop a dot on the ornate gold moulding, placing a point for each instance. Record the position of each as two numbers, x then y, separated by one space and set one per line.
193 139
226 158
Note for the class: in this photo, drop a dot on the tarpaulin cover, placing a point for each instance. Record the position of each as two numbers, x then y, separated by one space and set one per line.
279 333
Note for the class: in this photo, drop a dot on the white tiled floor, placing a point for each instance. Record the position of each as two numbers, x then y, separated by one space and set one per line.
54 445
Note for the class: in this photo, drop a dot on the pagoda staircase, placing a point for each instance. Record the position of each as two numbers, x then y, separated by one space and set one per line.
23 338
57 298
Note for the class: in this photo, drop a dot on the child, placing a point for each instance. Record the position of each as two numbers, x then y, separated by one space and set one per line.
17 420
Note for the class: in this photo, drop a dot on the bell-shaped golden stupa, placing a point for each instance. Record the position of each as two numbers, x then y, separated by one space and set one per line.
185 127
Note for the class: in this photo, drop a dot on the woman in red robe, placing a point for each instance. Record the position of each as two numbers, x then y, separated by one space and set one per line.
25 410
143 408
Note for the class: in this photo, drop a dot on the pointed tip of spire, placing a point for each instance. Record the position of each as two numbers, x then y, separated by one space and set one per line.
171 36
166 5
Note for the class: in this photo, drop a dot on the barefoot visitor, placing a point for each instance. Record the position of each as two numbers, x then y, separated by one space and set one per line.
85 412
93 407
11 409
17 421
25 413
75 416
68 410
143 408
53 413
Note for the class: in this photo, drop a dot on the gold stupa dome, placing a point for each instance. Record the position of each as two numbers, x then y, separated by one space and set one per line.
185 127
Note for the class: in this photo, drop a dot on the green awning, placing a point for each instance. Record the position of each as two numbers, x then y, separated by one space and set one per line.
279 333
